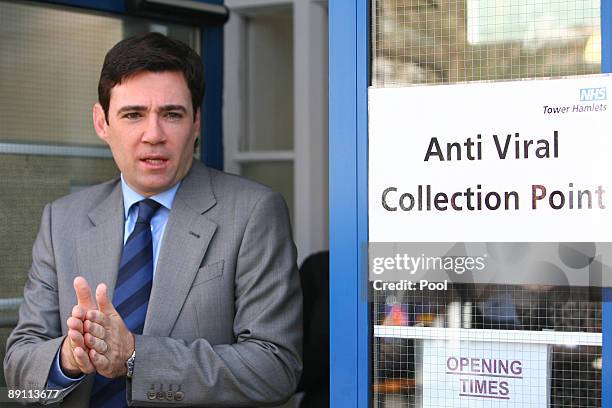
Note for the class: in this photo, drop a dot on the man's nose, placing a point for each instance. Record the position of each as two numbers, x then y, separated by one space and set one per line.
154 132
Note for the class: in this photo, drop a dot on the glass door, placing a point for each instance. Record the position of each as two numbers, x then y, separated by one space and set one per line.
447 42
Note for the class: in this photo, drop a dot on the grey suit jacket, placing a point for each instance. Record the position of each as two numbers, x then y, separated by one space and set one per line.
223 324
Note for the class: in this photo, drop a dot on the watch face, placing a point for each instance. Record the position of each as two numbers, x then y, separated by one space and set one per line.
130 365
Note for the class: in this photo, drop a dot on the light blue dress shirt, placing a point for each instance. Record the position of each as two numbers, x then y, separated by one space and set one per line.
159 220
57 379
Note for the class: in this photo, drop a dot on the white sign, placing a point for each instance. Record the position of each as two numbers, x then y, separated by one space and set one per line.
478 374
523 161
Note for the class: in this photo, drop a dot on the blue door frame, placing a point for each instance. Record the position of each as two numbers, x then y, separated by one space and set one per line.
606 324
348 203
348 200
211 39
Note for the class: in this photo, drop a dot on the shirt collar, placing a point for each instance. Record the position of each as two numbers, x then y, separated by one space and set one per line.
130 197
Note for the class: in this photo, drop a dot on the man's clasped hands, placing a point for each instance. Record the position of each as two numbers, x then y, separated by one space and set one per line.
98 340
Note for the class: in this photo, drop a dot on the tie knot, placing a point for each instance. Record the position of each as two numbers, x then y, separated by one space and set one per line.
146 209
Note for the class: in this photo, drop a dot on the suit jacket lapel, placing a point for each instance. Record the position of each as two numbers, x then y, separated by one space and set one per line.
186 238
99 247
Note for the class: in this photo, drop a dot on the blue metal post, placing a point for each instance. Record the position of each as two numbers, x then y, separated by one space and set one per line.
606 323
363 323
349 328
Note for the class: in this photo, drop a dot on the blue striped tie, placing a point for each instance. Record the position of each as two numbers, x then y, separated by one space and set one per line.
131 297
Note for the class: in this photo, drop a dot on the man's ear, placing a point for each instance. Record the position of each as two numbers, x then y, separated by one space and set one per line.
197 124
197 121
99 121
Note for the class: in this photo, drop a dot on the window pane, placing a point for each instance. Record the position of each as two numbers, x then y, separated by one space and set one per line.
269 81
495 21
50 60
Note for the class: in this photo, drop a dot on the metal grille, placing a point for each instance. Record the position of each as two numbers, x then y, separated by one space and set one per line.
449 41
575 371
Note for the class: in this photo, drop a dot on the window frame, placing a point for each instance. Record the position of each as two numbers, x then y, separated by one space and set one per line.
310 95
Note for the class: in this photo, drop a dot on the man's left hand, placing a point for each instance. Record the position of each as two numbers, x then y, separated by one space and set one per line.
110 342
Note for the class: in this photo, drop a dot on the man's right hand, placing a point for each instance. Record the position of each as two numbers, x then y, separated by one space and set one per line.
74 355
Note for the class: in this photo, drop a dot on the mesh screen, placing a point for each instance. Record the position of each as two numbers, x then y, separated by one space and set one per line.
450 41
575 368
446 41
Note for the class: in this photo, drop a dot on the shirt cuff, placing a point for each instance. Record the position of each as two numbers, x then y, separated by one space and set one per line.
57 379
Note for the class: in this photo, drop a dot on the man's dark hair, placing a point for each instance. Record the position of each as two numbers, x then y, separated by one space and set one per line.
152 52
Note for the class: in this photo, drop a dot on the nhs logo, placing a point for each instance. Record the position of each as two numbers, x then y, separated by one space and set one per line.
593 94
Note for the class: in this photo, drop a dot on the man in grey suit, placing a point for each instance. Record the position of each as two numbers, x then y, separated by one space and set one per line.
197 299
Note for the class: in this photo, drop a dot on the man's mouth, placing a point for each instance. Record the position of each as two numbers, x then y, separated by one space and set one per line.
154 162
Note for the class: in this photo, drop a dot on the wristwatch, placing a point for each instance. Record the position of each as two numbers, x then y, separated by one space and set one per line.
130 364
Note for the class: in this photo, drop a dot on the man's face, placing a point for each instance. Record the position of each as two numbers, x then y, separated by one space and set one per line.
151 130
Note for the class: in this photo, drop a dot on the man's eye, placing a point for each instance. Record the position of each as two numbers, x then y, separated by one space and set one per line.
174 115
132 115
